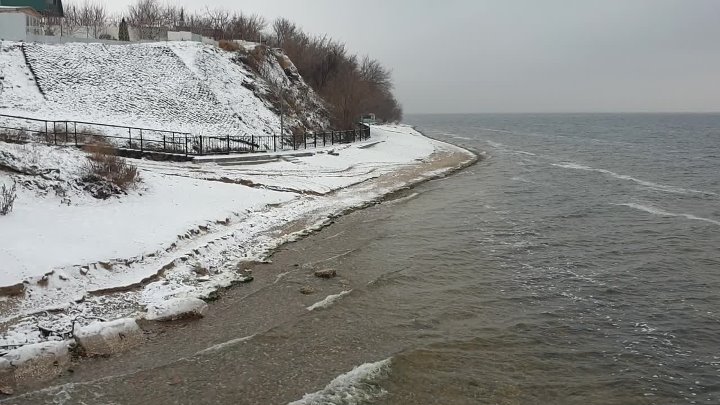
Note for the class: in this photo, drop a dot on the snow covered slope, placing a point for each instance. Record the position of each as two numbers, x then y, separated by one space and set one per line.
20 92
181 86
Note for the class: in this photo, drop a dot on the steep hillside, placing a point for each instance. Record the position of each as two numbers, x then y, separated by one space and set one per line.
279 76
178 86
19 89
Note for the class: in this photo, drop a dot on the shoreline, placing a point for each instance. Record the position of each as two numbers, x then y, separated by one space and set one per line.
446 160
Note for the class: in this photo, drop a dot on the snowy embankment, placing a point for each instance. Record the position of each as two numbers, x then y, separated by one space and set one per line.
184 230
172 86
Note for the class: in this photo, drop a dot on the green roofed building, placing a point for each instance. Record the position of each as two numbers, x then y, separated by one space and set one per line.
49 8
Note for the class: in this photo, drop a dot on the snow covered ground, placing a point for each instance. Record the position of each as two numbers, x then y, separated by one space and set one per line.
172 86
184 230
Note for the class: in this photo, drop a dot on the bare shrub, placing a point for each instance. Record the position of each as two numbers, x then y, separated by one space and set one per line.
7 198
14 136
93 140
104 166
230 46
32 154
256 58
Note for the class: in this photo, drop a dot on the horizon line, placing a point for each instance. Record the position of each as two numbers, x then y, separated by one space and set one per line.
561 113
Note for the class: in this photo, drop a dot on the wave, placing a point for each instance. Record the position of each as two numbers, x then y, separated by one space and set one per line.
352 388
464 138
496 145
522 180
220 346
506 148
662 213
501 131
648 184
328 301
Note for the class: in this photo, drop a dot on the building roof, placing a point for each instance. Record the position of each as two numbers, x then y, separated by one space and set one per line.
47 7
20 10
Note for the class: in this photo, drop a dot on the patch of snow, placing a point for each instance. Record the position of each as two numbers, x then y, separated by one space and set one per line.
176 308
22 355
107 329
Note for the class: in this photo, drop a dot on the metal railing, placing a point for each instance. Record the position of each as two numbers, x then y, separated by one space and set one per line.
79 133
24 129
218 145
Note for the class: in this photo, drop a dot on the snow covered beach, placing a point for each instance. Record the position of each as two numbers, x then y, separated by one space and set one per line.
185 232
80 263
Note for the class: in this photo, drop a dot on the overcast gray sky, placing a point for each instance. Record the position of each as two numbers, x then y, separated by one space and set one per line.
524 55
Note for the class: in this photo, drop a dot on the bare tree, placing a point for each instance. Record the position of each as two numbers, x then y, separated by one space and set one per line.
374 73
283 30
247 27
85 16
71 23
98 18
219 21
145 16
172 15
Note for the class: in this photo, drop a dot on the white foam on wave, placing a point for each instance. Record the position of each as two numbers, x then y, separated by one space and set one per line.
522 180
456 136
496 145
663 213
501 131
220 346
648 184
328 301
404 199
503 147
352 388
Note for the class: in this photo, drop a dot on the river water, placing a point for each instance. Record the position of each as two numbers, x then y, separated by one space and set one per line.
579 262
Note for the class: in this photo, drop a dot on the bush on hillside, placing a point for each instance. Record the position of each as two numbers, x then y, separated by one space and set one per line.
7 198
256 59
13 136
107 174
230 46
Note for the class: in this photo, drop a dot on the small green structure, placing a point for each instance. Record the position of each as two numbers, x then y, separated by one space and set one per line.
49 8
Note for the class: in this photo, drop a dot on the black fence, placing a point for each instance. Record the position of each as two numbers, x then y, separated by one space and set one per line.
79 133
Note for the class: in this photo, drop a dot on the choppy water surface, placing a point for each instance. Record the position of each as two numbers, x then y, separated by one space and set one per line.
578 263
